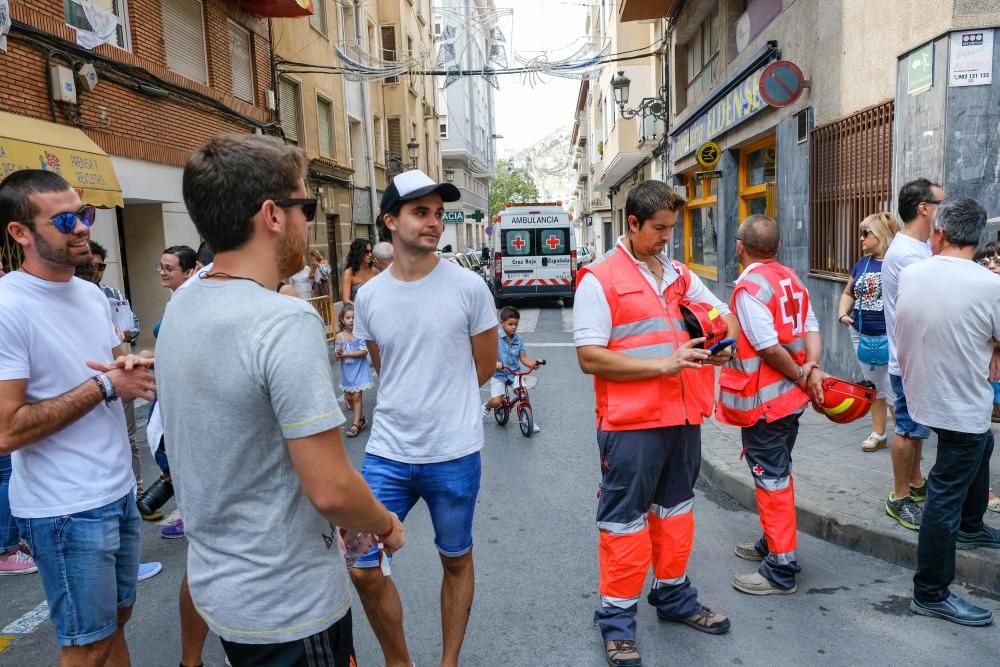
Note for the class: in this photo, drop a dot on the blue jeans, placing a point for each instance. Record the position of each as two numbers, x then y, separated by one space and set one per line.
88 563
449 488
905 426
958 489
8 527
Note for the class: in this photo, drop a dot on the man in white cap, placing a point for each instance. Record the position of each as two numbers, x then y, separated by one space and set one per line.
431 331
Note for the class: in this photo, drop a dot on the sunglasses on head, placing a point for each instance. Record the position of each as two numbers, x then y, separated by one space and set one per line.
308 206
66 222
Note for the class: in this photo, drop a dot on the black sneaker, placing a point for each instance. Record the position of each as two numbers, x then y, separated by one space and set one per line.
987 537
919 493
904 510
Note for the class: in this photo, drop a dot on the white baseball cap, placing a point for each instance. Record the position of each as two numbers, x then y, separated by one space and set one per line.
415 184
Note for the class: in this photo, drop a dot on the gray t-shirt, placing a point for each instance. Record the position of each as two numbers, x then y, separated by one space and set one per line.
948 314
240 370
903 251
428 408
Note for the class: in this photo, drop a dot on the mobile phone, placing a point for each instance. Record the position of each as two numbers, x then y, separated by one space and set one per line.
721 345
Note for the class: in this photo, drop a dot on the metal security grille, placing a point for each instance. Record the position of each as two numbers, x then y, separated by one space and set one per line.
851 178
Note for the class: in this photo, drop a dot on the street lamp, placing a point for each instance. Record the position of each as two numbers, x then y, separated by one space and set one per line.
649 106
449 175
413 149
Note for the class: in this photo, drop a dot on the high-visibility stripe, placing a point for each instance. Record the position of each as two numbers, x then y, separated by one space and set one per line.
648 351
783 559
766 291
621 603
772 484
623 528
763 395
639 327
674 581
679 325
676 510
749 366
796 346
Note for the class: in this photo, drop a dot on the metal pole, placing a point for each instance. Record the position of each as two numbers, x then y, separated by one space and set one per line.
366 109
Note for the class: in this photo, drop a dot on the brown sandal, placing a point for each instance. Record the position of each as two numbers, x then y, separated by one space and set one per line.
357 428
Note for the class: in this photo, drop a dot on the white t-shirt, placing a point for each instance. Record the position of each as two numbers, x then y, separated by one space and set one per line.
948 314
756 320
50 330
302 283
903 251
428 408
592 314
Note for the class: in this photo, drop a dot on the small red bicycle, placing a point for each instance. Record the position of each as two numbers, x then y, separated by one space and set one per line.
515 399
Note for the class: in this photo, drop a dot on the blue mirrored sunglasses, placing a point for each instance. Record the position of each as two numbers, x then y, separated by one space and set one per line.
66 222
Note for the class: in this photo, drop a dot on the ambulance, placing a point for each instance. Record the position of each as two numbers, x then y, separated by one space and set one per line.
533 253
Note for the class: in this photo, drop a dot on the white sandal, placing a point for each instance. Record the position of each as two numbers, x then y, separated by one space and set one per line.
874 442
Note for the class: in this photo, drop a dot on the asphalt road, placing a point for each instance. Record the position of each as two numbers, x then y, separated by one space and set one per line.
536 566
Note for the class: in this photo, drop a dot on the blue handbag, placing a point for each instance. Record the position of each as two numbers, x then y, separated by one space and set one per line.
872 350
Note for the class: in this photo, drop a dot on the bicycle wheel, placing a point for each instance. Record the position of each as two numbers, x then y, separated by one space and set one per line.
502 414
526 420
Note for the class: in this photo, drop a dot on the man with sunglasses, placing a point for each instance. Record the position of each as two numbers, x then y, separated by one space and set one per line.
65 424
276 464
918 201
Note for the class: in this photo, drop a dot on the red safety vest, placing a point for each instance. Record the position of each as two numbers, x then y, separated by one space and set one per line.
750 390
641 328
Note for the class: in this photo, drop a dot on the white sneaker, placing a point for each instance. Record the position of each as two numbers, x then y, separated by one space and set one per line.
486 410
149 570
874 442
537 428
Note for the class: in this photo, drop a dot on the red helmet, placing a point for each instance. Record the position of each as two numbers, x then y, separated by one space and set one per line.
844 401
703 319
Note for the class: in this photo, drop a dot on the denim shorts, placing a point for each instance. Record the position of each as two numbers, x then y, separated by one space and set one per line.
905 426
449 488
88 563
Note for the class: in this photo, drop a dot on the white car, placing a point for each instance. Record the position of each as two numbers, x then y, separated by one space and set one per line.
584 255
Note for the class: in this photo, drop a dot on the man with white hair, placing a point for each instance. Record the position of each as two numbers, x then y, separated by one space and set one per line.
382 252
947 354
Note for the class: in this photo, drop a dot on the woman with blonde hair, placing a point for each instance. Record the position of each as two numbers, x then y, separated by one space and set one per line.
861 310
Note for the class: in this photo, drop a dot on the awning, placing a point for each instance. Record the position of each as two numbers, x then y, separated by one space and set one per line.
29 143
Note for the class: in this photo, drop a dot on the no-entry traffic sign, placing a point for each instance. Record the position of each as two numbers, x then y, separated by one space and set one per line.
781 83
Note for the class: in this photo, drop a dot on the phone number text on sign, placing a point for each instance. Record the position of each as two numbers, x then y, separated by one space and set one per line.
971 58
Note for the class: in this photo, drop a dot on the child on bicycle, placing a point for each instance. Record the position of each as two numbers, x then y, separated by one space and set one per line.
510 353
355 369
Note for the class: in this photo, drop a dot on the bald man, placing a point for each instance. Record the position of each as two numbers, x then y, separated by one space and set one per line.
764 389
382 252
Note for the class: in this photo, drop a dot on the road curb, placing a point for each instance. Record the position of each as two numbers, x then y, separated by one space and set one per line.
864 537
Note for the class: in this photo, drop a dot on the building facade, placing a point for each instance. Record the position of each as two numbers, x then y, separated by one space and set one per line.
837 153
466 125
168 75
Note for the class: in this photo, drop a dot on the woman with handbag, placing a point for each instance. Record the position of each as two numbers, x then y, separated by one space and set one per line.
861 311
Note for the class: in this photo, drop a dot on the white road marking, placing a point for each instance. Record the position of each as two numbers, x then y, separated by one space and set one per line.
529 320
567 319
28 622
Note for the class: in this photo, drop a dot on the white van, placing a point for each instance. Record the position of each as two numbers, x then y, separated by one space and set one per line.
533 253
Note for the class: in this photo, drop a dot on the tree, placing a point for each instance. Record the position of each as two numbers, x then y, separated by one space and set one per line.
511 184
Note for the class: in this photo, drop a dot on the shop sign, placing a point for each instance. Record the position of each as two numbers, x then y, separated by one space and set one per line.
454 216
971 58
737 106
700 176
920 70
709 154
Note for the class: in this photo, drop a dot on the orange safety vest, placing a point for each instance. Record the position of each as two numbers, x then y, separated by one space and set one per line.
641 328
750 390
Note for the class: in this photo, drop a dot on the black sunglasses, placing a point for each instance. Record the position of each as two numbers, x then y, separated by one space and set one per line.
100 266
66 222
308 206
865 233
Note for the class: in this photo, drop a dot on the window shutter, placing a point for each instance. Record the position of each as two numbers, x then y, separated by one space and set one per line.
323 111
389 49
184 38
241 62
288 91
395 137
